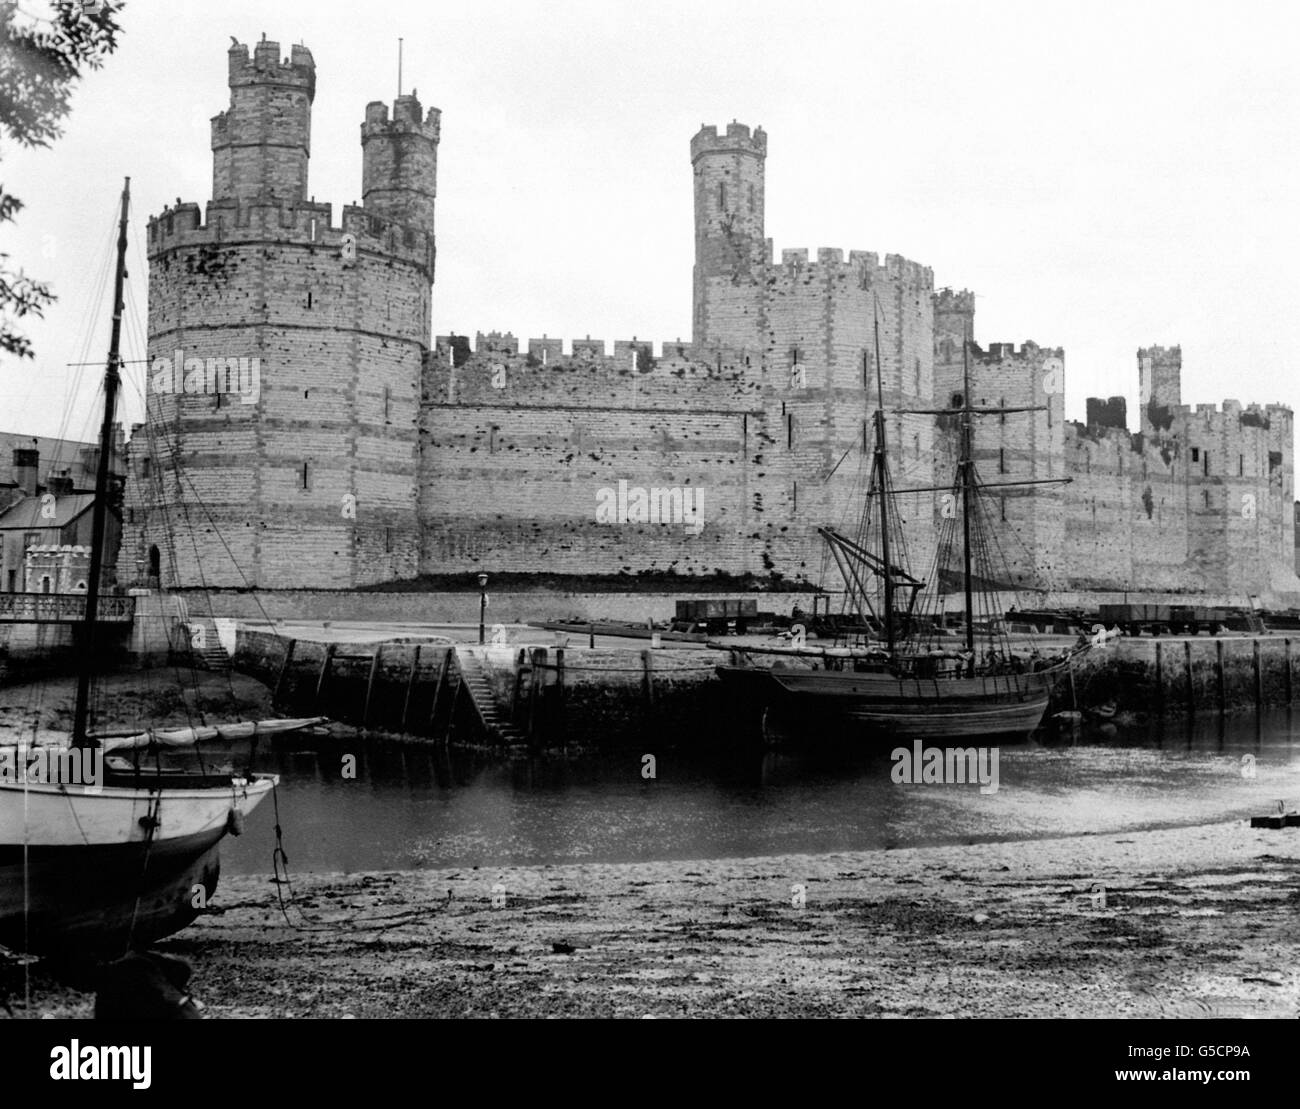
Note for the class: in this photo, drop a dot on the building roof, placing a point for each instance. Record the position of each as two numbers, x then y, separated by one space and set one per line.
25 515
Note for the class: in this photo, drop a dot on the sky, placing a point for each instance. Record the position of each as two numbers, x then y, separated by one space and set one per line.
1104 177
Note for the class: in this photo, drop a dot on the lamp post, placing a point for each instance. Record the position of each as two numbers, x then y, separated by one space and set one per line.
482 608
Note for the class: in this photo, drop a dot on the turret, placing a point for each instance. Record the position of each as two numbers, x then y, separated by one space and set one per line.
399 168
1160 372
261 143
729 241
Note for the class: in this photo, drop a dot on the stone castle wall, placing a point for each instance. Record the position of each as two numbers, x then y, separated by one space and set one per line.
371 452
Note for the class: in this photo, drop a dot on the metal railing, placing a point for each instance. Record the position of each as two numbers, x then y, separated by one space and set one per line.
61 608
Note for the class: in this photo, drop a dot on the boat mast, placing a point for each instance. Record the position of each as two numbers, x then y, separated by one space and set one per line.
878 465
99 510
967 491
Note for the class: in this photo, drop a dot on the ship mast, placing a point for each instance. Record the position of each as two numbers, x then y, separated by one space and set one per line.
879 470
99 510
965 466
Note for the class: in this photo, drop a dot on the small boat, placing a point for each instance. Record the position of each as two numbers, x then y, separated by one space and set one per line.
106 843
910 682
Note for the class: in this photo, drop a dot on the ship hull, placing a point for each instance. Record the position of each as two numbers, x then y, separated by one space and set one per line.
890 708
99 873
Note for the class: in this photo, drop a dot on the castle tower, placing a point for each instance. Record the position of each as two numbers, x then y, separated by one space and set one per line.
399 162
285 353
954 322
731 253
261 143
1160 388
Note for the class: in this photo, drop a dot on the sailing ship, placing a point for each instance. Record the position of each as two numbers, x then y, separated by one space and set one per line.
901 676
106 844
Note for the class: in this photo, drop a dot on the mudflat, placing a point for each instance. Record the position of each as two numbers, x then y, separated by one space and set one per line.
1181 922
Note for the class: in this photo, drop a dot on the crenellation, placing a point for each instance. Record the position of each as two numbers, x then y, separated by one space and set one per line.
373 451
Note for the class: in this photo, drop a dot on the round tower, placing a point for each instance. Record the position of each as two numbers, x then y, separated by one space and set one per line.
731 252
285 355
261 143
399 162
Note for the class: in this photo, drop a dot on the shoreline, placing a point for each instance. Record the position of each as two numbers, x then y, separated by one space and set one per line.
1196 921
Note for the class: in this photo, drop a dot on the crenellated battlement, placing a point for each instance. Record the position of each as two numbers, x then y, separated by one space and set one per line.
1029 351
619 354
267 66
232 222
406 118
947 300
862 264
737 139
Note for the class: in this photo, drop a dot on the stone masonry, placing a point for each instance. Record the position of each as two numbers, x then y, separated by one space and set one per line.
369 453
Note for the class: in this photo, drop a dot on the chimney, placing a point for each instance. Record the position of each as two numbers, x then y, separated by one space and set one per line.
26 464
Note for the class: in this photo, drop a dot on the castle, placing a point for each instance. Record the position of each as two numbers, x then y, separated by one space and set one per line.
303 430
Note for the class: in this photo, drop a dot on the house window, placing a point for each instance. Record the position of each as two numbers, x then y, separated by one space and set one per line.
45 583
144 466
30 539
957 400
1196 454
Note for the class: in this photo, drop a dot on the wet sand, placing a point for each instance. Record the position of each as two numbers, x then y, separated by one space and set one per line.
1195 922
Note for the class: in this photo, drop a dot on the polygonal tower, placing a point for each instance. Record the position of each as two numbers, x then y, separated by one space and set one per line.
731 253
280 444
1160 388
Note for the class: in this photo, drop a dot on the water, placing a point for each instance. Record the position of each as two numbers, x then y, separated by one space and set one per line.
411 808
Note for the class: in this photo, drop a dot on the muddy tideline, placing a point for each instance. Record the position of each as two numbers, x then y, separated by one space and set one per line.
1179 922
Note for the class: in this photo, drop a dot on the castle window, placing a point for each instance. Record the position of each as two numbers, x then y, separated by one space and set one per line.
306 476
1002 462
1196 454
388 540
313 229
794 497
918 377
1206 463
1241 465
722 196
751 198
957 400
1002 419
144 466
1207 498
216 399
387 396
308 298
789 430
1002 508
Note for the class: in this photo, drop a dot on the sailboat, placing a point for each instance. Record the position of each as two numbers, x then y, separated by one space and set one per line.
905 678
105 844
